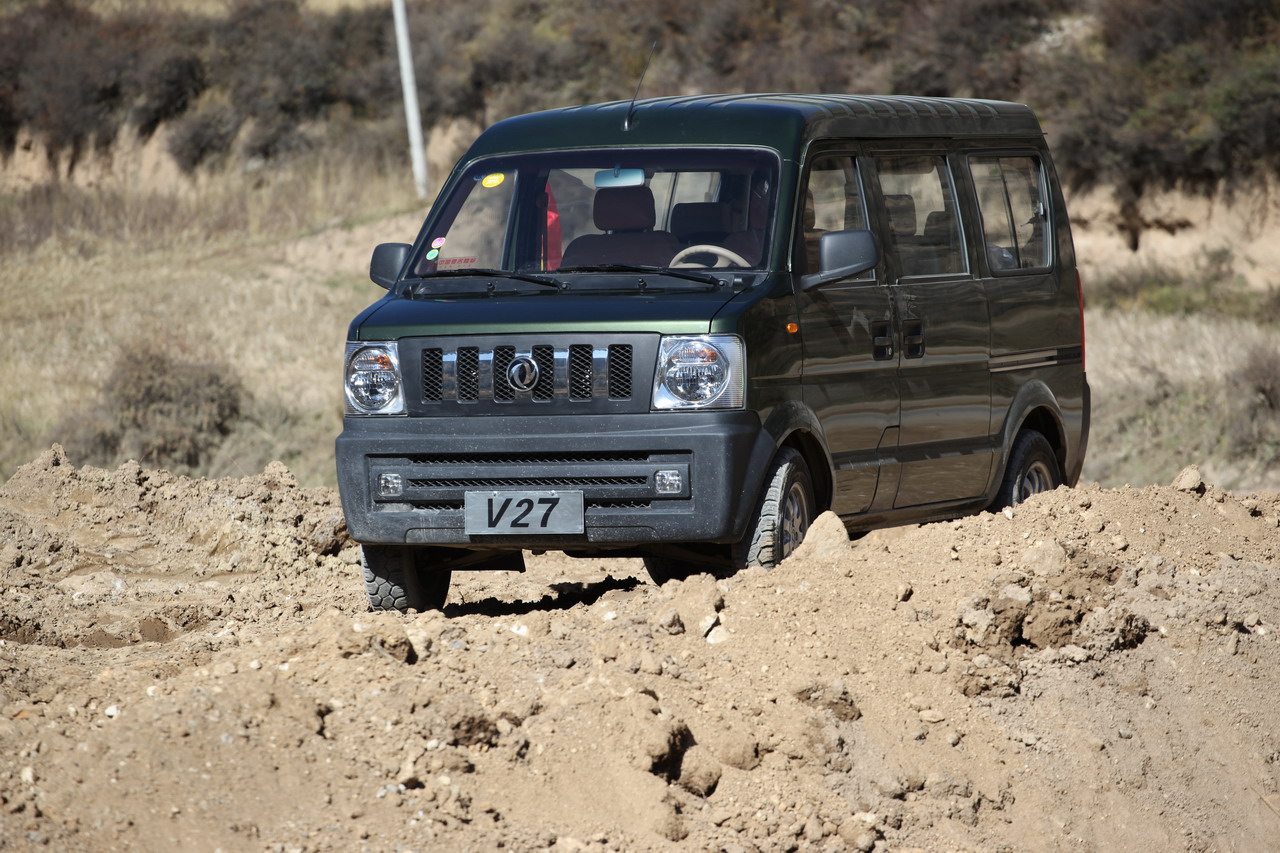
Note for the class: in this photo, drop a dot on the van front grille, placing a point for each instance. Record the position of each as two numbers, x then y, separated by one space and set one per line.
578 372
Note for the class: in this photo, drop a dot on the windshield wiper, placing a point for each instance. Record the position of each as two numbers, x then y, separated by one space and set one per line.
477 271
705 278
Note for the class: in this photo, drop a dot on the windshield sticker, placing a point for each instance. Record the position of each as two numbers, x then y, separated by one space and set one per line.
491 181
437 243
456 262
433 254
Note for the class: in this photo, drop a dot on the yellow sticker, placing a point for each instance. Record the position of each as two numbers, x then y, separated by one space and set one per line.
493 180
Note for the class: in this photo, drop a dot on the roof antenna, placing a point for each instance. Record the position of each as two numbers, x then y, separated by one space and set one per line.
626 122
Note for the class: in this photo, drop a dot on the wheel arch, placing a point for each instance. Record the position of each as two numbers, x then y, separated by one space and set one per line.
815 456
1034 407
1043 420
796 426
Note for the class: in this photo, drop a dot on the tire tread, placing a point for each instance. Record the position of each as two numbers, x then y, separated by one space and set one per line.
396 579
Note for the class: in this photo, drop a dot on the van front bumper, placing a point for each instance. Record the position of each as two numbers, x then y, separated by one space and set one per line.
612 459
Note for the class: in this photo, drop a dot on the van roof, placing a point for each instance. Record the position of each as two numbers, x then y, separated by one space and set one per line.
780 121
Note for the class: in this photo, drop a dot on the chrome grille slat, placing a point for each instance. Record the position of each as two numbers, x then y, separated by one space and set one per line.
484 375
599 373
449 376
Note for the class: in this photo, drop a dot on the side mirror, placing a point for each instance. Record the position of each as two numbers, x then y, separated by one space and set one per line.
843 254
388 259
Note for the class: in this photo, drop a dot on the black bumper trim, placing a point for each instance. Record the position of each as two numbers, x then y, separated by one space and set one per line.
722 457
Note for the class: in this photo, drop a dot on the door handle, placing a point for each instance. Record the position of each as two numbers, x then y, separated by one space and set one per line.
913 339
881 340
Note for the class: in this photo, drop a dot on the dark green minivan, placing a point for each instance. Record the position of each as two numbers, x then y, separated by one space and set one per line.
680 328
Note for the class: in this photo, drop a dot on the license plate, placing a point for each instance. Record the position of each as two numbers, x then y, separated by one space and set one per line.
523 512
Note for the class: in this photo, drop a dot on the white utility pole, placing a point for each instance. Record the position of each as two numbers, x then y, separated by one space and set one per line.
411 115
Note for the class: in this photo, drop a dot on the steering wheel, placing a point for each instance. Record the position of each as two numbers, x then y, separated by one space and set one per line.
724 257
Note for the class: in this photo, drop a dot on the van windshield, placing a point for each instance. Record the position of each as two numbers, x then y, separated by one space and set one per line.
600 210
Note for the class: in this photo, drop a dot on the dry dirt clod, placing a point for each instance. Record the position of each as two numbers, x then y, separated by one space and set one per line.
1189 480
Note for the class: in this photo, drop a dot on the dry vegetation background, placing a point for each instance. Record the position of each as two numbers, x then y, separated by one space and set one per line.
190 188
189 192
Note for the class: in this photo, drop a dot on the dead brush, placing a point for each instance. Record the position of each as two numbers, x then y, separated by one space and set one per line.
1260 374
163 404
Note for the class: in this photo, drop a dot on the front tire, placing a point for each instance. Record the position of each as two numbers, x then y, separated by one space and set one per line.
1033 468
782 517
397 577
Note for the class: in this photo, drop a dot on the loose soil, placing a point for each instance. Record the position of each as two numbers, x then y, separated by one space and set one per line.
190 665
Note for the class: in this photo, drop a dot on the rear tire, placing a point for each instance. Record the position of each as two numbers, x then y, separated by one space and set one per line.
1033 468
397 577
783 516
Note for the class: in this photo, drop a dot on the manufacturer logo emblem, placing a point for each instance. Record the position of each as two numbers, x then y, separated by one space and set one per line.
523 373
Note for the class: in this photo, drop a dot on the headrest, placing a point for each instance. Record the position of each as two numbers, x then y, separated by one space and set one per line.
699 217
624 209
902 214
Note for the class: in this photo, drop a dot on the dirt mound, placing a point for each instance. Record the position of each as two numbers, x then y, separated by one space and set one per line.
189 664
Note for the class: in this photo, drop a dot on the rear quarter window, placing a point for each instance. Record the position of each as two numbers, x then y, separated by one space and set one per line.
1014 209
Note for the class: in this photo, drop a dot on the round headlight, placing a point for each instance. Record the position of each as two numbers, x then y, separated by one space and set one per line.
373 379
701 372
695 372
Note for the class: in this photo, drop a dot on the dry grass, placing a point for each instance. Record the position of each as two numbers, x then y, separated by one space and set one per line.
265 269
269 290
1169 391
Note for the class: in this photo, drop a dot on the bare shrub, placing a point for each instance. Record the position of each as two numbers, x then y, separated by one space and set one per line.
972 48
170 82
203 136
1142 30
74 75
161 404
1253 430
361 48
1259 376
1168 95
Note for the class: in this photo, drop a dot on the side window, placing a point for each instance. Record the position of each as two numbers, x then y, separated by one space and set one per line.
924 221
1014 211
833 202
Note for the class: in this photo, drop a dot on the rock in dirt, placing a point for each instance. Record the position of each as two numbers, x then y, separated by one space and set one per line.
1189 480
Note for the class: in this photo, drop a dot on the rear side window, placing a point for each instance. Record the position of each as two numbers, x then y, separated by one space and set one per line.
924 221
1014 211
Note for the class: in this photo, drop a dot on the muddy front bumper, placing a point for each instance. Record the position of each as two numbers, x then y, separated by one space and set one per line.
404 480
